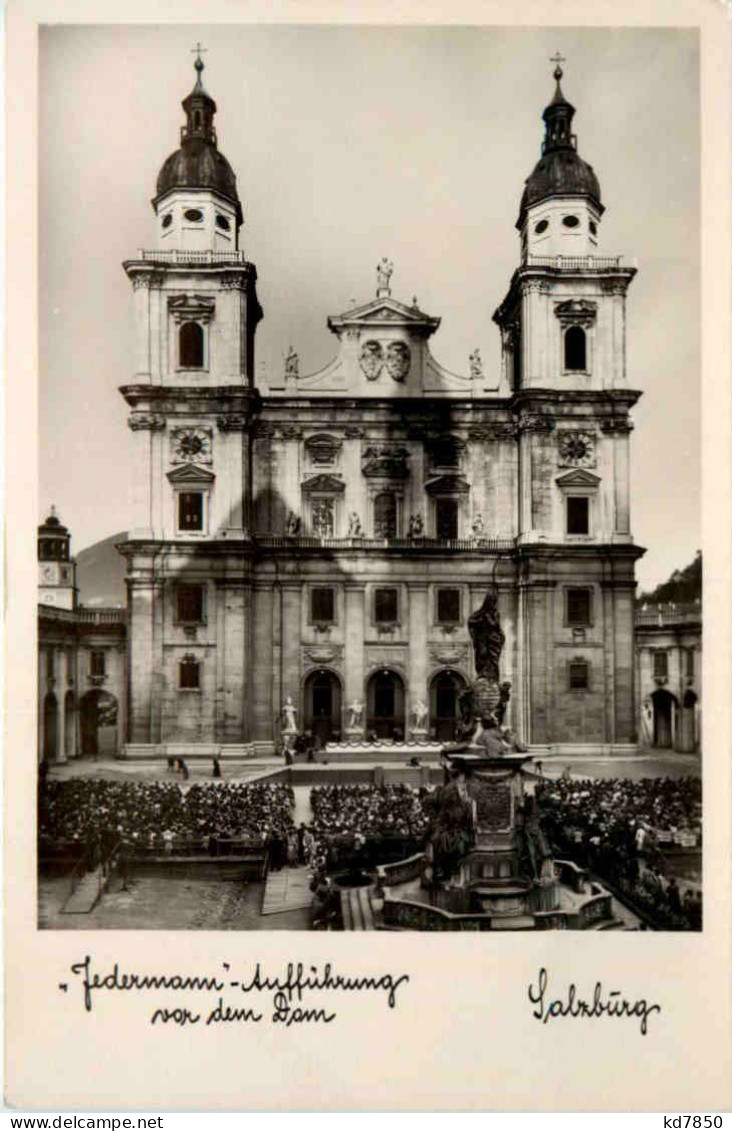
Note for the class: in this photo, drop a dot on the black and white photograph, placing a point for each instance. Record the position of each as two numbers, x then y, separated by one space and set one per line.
368 463
369 548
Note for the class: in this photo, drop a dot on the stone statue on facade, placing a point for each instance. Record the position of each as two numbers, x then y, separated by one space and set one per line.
487 636
354 526
416 526
292 365
419 715
384 272
289 715
292 524
478 528
476 365
355 714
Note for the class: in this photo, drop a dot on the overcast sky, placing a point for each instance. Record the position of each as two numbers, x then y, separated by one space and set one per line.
350 144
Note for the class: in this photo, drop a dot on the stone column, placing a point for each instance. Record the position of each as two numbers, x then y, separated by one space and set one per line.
141 651
354 654
291 613
264 669
231 640
141 302
418 620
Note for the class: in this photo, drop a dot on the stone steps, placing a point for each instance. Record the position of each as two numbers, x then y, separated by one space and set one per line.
356 910
85 895
287 890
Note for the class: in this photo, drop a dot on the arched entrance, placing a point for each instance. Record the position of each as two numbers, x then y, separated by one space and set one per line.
385 705
688 740
98 715
444 711
664 704
50 728
69 725
323 705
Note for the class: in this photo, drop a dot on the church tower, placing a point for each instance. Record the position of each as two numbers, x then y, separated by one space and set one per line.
192 402
562 325
56 567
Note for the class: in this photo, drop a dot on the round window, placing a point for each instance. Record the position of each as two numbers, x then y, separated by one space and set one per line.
541 227
222 222
570 221
168 220
593 227
194 215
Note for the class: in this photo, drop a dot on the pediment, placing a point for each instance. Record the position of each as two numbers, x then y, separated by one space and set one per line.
384 311
326 483
446 485
578 478
190 473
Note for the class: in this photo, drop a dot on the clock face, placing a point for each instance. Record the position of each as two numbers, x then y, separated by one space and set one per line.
191 445
577 449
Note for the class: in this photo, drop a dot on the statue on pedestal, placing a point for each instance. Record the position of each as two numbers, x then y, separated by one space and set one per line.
355 714
289 714
487 636
292 524
354 526
419 715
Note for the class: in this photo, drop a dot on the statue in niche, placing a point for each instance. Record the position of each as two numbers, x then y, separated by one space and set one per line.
355 714
354 526
292 524
416 526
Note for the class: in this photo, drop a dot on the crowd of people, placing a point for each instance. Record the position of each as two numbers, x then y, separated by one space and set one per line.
616 826
161 816
362 821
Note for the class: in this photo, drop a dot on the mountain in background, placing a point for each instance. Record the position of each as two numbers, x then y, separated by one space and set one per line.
100 572
684 587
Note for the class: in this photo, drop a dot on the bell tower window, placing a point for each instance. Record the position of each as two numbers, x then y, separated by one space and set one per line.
190 511
575 349
190 343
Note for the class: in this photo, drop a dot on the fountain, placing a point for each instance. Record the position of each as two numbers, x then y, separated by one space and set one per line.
487 864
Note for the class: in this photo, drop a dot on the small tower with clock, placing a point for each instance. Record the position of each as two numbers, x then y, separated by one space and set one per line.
56 568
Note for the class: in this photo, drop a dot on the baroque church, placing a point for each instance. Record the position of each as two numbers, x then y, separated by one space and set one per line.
321 542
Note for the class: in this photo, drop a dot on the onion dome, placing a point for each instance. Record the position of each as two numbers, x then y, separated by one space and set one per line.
560 171
198 164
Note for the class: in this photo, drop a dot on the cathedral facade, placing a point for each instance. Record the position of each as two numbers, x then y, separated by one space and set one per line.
325 538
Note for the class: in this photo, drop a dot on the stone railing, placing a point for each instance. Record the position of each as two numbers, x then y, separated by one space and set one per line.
661 618
101 616
577 262
182 258
401 871
306 541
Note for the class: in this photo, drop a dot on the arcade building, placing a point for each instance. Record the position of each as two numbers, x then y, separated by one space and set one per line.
325 536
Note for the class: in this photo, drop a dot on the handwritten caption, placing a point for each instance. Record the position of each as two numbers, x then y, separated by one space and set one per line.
256 996
610 1004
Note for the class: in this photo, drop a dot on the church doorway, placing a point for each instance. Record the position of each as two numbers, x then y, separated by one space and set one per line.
69 725
98 716
50 728
664 704
323 705
445 691
385 697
